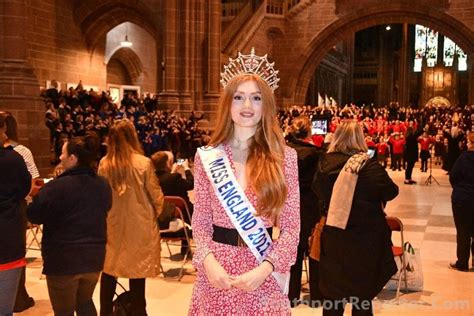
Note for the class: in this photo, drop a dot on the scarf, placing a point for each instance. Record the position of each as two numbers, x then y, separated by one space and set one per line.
343 191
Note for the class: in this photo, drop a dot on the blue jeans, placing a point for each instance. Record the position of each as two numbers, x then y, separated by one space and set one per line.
8 287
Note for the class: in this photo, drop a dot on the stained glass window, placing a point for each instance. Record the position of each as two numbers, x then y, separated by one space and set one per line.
462 59
449 50
426 45
431 47
420 46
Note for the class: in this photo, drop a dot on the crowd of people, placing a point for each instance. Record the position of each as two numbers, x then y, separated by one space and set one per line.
399 133
77 111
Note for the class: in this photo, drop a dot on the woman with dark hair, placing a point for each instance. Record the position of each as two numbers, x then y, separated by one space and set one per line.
308 154
411 154
15 183
73 209
356 251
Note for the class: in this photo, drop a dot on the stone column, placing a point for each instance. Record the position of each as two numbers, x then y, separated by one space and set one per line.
212 75
19 88
169 96
403 70
350 53
185 49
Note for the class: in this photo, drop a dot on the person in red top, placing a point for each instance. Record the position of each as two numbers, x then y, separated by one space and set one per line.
382 151
396 127
398 145
370 143
425 144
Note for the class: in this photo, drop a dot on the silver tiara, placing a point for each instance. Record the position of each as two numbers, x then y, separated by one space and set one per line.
251 64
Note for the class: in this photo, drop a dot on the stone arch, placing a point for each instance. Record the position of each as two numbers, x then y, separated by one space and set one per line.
107 14
439 102
360 19
130 61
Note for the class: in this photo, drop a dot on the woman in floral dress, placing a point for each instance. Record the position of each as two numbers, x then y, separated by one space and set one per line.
230 280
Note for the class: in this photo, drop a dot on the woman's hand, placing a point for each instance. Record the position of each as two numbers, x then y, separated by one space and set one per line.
251 280
216 274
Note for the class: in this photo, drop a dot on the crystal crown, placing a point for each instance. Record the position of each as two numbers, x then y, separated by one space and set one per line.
251 64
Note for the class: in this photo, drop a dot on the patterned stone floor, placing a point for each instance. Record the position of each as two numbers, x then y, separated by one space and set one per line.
426 213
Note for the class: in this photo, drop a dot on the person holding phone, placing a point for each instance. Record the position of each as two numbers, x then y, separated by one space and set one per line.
175 180
308 156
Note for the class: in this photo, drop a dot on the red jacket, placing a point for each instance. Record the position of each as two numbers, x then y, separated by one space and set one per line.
425 143
397 145
382 149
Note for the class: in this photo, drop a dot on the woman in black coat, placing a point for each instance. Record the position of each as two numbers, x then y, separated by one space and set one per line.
356 262
308 156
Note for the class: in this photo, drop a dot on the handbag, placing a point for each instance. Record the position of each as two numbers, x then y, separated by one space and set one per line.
315 239
122 305
414 270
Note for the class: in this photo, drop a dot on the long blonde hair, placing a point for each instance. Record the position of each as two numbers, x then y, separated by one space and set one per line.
122 144
266 150
348 139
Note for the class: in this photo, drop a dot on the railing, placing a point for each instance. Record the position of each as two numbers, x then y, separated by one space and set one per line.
279 7
231 9
244 14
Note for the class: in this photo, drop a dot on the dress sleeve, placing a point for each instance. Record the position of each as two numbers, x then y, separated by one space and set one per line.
283 251
202 215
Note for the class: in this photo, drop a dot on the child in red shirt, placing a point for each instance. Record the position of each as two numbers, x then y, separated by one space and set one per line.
382 152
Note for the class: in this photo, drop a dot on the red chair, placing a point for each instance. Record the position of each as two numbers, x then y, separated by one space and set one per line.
396 225
181 208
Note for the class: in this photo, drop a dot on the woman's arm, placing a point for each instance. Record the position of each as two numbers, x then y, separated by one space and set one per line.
202 215
283 252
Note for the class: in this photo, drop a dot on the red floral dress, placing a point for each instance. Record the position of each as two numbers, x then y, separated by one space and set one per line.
268 298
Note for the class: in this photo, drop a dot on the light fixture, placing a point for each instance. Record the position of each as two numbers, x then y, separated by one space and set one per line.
126 43
388 28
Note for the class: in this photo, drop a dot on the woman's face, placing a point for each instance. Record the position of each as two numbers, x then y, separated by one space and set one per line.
246 108
67 161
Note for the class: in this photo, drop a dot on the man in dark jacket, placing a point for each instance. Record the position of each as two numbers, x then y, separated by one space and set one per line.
73 210
462 199
15 183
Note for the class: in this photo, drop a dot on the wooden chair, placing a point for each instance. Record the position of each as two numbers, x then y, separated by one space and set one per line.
396 224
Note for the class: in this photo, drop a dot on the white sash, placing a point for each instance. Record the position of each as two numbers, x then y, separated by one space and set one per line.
238 207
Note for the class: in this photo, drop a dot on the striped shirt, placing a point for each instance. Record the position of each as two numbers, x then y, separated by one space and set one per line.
29 161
